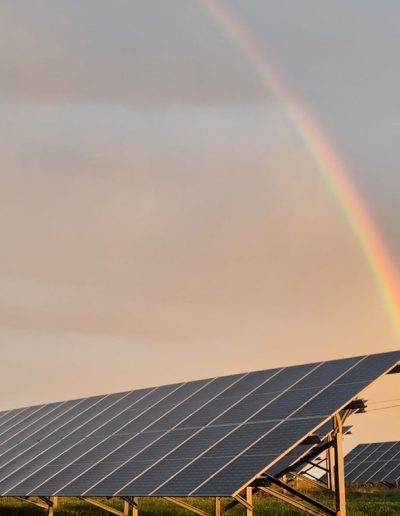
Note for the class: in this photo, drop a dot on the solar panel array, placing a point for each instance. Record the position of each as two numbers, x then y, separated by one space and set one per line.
373 462
201 438
302 449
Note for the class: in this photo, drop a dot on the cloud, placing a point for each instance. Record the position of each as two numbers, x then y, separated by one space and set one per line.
148 54
160 218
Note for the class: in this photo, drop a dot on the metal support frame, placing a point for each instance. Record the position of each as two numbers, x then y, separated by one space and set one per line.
40 504
246 501
330 469
332 449
185 505
104 506
266 483
317 507
287 499
340 489
314 481
131 503
48 504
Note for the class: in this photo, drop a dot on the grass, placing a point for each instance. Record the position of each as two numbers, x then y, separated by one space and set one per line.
360 502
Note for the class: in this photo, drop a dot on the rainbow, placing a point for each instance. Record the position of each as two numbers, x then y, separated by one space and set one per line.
328 164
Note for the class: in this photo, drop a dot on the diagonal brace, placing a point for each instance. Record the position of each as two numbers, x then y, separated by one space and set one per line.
291 501
102 505
186 506
299 494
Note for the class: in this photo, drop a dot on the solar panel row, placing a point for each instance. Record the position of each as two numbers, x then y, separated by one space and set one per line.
374 462
201 438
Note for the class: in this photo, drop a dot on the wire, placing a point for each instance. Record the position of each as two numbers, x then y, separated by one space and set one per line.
382 401
383 408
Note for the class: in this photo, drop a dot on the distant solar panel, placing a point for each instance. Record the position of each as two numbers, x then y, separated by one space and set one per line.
373 462
201 438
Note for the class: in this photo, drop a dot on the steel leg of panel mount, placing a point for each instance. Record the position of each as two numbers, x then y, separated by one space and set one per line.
330 476
249 500
131 502
126 508
49 504
217 506
246 501
340 490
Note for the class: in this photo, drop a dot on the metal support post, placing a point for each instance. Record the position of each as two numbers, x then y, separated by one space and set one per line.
330 477
49 505
246 501
135 506
340 491
249 500
131 502
217 506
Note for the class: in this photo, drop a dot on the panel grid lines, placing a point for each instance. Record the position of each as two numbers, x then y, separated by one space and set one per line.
381 451
374 462
46 414
3 464
174 427
204 438
287 417
201 429
84 423
233 430
134 436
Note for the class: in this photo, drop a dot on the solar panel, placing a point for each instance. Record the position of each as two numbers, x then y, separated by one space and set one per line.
283 464
373 462
201 438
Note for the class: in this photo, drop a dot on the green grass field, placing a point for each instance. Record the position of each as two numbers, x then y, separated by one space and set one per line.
374 502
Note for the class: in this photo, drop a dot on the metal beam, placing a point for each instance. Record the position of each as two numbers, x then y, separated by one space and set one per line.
102 505
299 494
291 501
33 502
126 508
217 506
131 502
246 501
49 502
309 478
186 506
306 458
330 469
233 503
340 489
249 500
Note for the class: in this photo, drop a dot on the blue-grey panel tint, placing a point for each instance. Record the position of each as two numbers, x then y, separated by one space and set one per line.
18 419
207 437
373 462
25 434
256 457
393 475
190 477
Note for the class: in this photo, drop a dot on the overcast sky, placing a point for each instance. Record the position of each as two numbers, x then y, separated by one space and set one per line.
160 218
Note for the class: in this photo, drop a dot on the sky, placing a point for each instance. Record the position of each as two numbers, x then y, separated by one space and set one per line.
160 218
